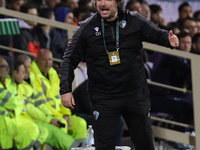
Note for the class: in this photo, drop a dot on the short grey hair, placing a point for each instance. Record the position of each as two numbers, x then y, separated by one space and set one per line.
23 57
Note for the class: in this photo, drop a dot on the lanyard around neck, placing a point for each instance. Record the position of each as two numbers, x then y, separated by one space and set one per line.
117 35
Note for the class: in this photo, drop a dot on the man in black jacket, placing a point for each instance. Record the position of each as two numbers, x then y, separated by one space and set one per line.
110 41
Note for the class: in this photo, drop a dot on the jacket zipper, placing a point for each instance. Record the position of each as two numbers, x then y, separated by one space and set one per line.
113 35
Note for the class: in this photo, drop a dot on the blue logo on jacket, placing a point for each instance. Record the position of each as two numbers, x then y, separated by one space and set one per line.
122 24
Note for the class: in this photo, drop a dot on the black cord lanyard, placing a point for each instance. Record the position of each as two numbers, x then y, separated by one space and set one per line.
117 35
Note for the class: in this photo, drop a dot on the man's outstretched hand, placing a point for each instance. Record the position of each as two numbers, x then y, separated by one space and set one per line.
173 39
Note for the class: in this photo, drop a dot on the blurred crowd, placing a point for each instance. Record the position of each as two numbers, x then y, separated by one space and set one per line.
31 112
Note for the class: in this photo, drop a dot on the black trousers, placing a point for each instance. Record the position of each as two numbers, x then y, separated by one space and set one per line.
135 110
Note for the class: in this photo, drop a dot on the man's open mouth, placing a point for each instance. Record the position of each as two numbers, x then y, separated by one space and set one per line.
104 11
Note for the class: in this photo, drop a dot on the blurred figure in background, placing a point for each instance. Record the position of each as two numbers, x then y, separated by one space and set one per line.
134 5
185 10
38 3
2 3
185 41
51 4
157 17
196 44
27 40
43 30
49 37
14 4
72 4
46 81
190 25
78 15
87 5
12 136
65 15
7 40
197 15
146 12
197 18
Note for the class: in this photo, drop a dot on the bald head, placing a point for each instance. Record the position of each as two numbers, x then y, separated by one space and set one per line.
44 60
4 69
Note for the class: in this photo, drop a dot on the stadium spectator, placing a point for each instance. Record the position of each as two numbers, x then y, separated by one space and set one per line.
61 14
185 41
12 136
27 40
50 37
196 44
134 5
196 15
6 40
185 11
51 4
72 4
47 82
197 18
146 12
43 30
78 15
20 118
157 16
38 3
56 137
2 3
191 25
14 4
65 15
87 5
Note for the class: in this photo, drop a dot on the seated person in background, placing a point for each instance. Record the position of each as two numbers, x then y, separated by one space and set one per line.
27 40
196 44
190 25
157 16
65 15
197 15
56 137
51 4
42 30
146 12
185 10
78 15
134 5
14 4
47 82
6 40
72 4
49 37
197 18
11 135
19 116
185 41
38 3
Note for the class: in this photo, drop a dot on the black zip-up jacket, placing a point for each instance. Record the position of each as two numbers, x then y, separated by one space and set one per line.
104 79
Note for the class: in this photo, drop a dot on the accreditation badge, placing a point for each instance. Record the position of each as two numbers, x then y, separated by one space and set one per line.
114 58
